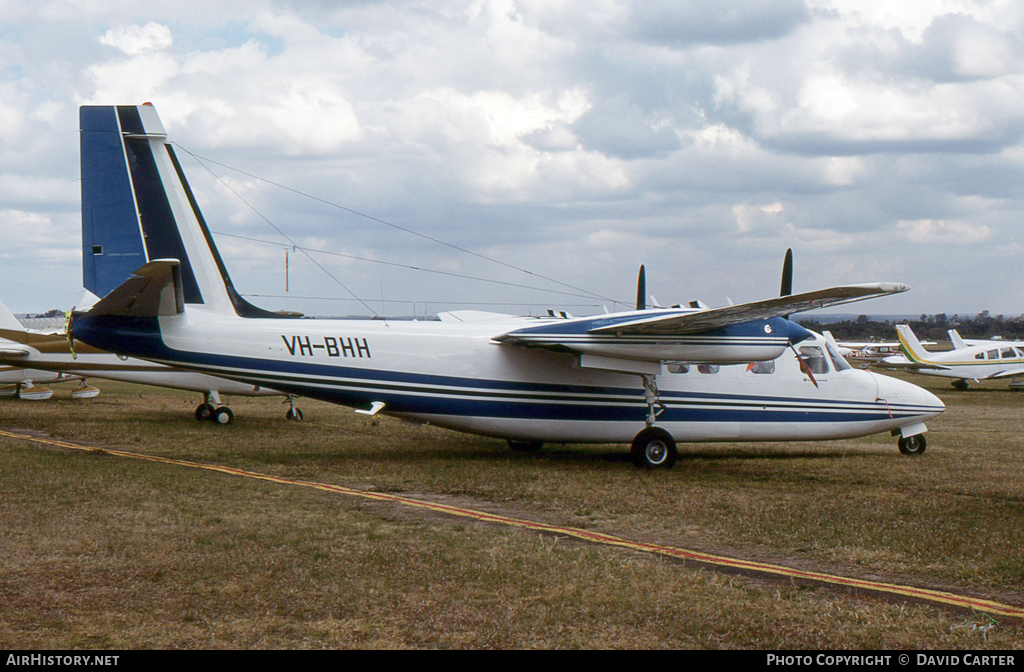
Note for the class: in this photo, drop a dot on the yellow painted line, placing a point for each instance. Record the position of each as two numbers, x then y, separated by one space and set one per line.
925 594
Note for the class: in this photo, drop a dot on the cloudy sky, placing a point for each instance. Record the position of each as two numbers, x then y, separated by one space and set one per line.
550 146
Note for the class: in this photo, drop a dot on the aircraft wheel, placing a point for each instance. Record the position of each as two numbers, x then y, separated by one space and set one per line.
525 446
960 384
204 412
913 445
294 414
654 448
223 416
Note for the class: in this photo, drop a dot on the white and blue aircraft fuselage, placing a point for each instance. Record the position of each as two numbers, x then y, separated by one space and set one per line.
650 377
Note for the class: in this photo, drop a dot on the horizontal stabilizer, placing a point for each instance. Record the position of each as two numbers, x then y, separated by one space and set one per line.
151 291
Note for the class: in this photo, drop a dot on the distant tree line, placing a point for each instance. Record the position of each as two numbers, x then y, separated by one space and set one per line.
927 327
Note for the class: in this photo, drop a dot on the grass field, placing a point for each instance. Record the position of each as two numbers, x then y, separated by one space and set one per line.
100 551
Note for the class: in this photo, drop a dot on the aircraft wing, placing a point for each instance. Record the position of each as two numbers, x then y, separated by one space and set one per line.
911 367
718 318
748 332
10 350
1012 373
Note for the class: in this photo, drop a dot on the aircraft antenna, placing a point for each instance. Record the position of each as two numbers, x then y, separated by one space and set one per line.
283 234
413 268
201 159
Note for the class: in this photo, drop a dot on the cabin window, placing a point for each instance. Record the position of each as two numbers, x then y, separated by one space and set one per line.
1007 353
708 368
992 354
814 358
678 368
762 367
839 363
980 355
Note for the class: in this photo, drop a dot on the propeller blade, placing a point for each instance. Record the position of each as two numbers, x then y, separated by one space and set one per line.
803 365
68 328
641 290
787 274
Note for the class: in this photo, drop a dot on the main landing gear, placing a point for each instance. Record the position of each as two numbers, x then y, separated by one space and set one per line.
214 409
653 447
293 412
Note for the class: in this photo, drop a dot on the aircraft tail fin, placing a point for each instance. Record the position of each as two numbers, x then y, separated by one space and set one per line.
958 342
138 207
8 321
910 344
831 340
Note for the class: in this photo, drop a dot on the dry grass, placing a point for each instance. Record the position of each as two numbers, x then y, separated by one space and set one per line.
104 552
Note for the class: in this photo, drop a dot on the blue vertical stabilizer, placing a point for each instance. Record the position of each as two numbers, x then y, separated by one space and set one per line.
112 244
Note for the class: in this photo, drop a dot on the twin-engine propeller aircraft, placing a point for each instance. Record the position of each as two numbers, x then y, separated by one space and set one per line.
651 377
974 360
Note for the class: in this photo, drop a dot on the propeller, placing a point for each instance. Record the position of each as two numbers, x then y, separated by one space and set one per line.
787 274
786 290
68 317
641 290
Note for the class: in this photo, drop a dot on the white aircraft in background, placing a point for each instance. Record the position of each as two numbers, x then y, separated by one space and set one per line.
651 377
975 360
865 353
959 342
52 360
16 380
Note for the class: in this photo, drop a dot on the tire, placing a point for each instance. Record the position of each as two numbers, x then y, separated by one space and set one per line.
223 416
960 384
204 411
294 414
913 445
654 448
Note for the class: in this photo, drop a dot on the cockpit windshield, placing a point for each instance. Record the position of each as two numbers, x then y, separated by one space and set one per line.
839 363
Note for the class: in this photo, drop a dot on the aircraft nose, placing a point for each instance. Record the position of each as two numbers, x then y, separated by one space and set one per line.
909 399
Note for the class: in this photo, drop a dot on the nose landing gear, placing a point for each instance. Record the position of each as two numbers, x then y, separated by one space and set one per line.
912 445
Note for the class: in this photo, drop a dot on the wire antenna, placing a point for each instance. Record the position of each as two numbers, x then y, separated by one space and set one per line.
202 159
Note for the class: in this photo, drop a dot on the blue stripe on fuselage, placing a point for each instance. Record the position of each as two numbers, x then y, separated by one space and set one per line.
414 393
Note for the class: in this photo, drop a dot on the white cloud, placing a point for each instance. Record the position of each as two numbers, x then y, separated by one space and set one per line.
569 138
943 231
135 40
